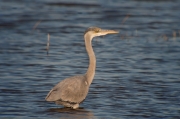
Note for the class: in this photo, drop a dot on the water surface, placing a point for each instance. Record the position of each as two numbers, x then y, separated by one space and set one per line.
138 70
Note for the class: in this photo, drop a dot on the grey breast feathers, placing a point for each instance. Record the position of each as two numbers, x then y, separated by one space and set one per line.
73 89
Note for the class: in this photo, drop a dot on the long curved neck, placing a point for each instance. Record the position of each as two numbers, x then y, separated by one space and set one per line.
92 60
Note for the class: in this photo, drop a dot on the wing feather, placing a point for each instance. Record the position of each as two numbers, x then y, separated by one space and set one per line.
73 89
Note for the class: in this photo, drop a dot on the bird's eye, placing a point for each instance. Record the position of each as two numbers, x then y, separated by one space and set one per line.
97 30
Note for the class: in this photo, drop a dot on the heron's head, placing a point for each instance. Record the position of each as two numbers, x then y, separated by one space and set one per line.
95 31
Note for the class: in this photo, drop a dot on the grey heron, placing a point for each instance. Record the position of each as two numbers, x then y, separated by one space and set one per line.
71 91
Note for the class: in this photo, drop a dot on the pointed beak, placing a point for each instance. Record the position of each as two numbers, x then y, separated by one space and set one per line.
105 32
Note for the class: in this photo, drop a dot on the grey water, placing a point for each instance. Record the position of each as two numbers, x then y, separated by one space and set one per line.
138 70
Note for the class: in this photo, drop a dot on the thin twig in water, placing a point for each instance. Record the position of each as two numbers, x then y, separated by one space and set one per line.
136 32
127 16
165 37
37 23
47 48
125 19
174 35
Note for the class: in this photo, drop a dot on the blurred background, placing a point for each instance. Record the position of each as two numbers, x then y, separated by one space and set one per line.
138 70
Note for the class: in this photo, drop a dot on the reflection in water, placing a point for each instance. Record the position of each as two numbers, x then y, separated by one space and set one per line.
71 113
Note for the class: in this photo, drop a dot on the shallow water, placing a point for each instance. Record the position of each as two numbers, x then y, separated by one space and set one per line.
138 70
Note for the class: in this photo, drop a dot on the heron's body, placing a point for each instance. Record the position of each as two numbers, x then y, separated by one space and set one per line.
71 91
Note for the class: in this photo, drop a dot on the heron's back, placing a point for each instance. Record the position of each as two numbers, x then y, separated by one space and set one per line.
73 89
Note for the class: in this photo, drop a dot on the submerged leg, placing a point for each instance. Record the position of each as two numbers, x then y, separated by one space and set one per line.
68 104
